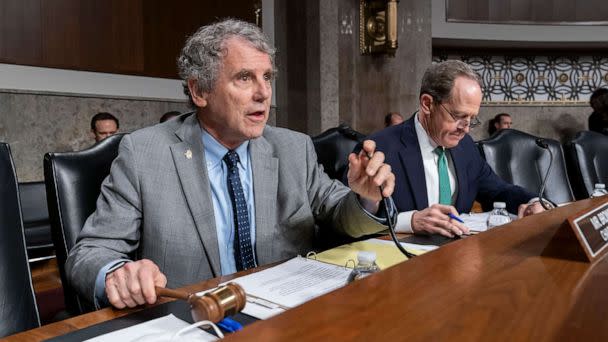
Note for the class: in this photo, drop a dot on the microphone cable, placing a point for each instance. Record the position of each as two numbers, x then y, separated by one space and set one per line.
389 219
540 142
391 226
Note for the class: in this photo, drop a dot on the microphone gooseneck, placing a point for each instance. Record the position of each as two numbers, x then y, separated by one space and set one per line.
391 227
542 144
389 220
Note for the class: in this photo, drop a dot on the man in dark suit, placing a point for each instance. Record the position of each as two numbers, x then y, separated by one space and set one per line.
437 166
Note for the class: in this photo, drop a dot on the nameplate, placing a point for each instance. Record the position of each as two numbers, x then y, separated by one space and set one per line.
591 229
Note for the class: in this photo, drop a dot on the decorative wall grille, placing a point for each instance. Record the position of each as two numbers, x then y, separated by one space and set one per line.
537 79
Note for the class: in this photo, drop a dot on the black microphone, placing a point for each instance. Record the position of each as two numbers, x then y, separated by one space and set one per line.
540 142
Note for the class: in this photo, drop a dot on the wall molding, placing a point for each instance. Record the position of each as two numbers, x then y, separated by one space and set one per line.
84 83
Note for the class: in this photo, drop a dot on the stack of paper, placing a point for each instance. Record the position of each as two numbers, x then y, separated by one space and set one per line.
276 289
294 282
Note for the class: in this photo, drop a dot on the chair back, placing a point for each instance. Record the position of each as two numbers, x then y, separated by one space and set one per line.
516 158
587 159
73 183
36 221
18 309
333 147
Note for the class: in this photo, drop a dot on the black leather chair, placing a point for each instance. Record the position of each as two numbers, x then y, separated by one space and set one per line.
333 147
73 183
18 309
587 160
516 158
36 221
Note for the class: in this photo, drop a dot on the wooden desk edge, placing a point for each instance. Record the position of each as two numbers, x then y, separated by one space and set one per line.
89 319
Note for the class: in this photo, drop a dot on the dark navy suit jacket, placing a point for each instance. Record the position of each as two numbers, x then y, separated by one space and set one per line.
476 180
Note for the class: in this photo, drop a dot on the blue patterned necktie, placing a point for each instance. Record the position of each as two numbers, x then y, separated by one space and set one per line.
243 251
445 191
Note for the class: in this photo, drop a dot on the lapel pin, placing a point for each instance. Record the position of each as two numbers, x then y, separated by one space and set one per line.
188 154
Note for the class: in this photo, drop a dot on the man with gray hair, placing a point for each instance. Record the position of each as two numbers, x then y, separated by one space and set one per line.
437 166
217 191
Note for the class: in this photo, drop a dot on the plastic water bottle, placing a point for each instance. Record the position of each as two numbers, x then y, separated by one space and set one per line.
599 190
366 265
499 215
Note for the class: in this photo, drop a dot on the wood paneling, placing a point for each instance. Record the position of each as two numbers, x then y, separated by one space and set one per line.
167 25
60 34
93 35
116 36
528 11
20 39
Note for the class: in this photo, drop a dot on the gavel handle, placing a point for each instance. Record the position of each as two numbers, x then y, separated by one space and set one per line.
165 292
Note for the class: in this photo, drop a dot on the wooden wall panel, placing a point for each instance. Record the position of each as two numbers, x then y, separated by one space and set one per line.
111 36
94 35
20 40
129 55
60 32
528 11
168 24
140 37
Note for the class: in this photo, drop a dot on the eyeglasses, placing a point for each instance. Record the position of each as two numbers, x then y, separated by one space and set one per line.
463 123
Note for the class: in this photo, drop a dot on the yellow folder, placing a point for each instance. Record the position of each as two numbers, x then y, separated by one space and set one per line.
387 253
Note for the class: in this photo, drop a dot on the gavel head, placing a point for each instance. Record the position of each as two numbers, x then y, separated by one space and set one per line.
215 305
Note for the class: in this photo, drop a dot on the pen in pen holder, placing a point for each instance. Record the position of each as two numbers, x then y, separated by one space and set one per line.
214 305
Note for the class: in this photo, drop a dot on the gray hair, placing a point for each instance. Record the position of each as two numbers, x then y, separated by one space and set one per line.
203 52
438 79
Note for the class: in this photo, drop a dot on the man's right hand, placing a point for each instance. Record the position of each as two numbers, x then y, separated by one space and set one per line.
435 220
134 284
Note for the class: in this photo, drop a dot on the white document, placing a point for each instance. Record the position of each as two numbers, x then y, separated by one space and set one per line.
478 222
162 329
294 282
253 308
407 245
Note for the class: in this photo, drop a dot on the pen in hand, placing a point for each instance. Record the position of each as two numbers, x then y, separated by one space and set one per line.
454 217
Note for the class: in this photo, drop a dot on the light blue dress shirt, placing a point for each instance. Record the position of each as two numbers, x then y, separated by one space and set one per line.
222 205
222 209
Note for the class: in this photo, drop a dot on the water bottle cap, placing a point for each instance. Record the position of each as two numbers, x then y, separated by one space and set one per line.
500 205
366 257
600 186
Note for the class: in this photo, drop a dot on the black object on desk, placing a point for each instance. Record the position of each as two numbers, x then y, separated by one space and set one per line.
179 309
435 239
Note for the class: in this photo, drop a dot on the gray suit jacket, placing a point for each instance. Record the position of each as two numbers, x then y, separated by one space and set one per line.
156 204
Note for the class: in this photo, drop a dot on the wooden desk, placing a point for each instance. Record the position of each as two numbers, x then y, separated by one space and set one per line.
492 286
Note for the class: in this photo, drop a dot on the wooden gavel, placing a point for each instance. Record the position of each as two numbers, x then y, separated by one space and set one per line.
214 305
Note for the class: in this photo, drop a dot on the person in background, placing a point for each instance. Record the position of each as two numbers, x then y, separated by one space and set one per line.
169 115
392 119
103 125
598 120
217 191
499 122
437 166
